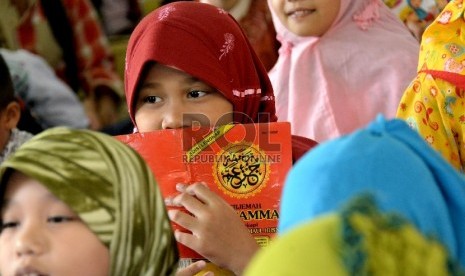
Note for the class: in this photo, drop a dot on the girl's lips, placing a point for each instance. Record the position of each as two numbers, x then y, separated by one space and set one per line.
298 13
29 271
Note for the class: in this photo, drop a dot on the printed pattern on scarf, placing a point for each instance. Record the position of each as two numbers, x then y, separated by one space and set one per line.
228 45
433 106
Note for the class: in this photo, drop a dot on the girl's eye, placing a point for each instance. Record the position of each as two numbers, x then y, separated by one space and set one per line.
60 219
8 224
196 94
152 99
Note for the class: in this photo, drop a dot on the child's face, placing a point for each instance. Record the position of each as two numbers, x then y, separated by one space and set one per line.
41 235
306 17
169 99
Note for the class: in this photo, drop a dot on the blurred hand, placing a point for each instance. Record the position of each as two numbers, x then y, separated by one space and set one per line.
193 269
217 231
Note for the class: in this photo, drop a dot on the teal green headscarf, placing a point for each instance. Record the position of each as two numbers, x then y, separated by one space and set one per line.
111 188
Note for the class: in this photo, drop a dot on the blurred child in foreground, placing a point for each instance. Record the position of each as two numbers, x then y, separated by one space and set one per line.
377 201
78 202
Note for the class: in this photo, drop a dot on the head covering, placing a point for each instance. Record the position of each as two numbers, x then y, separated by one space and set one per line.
390 162
207 43
112 190
50 100
357 240
433 103
7 91
331 85
441 54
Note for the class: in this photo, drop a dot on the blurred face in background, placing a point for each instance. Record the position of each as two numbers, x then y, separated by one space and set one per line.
306 17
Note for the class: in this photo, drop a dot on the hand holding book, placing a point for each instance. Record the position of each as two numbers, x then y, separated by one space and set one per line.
216 231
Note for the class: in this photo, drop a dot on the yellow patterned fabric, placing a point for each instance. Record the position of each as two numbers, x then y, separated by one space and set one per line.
434 103
360 240
112 190
396 249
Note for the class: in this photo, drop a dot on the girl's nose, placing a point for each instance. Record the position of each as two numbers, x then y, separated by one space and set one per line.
175 116
30 241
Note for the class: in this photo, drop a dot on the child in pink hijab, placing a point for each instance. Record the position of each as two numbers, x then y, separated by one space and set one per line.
341 63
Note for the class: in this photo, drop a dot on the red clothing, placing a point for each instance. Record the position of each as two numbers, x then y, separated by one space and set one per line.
94 58
259 28
300 146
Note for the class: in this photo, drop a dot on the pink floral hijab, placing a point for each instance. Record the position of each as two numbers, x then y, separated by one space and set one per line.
331 85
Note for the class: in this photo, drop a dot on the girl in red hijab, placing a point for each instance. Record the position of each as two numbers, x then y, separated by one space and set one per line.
187 63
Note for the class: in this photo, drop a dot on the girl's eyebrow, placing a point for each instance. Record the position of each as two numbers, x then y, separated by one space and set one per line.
191 79
149 84
155 84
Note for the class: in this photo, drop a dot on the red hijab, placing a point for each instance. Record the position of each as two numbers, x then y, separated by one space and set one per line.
207 43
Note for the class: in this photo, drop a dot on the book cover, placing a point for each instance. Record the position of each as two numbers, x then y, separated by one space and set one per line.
245 164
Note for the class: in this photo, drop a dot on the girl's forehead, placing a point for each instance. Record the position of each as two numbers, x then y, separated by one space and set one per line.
160 73
24 190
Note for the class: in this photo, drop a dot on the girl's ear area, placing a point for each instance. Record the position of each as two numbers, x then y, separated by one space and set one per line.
11 115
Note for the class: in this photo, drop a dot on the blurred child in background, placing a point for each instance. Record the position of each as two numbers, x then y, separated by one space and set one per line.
255 19
69 36
46 99
341 63
434 102
10 112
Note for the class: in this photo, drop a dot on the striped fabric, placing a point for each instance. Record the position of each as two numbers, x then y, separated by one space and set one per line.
112 190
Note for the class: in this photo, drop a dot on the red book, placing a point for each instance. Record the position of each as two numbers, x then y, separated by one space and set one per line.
245 164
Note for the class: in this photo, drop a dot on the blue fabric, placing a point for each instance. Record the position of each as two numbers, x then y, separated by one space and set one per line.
421 13
391 162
